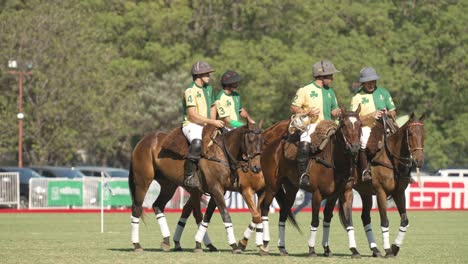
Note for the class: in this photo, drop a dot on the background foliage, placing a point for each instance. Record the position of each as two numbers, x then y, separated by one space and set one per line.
106 72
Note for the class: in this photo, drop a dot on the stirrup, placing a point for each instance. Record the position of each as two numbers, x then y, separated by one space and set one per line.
191 182
366 176
304 180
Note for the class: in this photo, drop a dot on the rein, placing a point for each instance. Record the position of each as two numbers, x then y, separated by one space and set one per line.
405 161
232 163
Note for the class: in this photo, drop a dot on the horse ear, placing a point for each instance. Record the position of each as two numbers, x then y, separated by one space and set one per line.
422 117
411 116
343 110
358 110
260 124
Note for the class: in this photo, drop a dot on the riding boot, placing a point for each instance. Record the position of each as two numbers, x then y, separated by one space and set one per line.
190 180
365 170
190 166
303 157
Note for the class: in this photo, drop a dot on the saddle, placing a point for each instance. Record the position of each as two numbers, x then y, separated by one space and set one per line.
176 142
319 139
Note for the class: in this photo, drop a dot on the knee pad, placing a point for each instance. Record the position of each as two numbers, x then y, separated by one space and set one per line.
195 149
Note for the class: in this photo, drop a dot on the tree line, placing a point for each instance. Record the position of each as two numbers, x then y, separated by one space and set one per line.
106 72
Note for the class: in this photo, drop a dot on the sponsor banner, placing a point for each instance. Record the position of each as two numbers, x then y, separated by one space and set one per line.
438 193
116 193
65 193
435 193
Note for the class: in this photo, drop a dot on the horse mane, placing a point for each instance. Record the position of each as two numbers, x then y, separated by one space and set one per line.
275 131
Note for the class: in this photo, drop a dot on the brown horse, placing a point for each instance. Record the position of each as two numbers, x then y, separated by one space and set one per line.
330 177
390 170
151 159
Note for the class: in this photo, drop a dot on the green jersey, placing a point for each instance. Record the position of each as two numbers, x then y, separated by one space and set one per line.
228 105
320 97
200 97
379 99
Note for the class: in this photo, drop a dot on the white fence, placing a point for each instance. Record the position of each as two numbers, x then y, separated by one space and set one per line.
10 189
434 193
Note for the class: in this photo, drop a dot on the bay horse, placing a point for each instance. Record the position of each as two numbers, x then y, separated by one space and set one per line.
330 177
152 160
390 170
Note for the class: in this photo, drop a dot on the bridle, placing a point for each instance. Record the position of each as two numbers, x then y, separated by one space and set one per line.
248 157
405 161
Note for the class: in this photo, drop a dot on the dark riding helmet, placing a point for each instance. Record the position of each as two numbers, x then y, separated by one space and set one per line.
201 67
324 68
230 77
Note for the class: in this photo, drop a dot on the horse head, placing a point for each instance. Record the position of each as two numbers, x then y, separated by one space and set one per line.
415 139
251 146
350 127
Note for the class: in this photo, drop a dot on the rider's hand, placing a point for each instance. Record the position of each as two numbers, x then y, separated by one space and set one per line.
378 114
217 123
313 111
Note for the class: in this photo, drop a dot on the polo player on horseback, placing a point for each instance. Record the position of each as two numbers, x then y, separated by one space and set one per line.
318 101
228 102
374 101
199 110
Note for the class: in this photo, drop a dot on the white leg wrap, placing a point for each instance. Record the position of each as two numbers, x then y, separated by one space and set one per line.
230 233
351 238
282 234
259 235
370 236
135 229
249 230
266 228
201 231
401 235
326 233
163 225
179 229
206 239
386 237
313 234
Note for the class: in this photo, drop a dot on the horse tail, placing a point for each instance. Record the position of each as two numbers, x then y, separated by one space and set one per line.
281 196
342 215
136 210
293 221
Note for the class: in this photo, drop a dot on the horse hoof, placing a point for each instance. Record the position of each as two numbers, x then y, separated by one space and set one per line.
355 254
242 244
165 247
137 247
212 248
376 253
283 252
312 253
395 249
237 251
178 249
262 251
198 250
327 252
389 253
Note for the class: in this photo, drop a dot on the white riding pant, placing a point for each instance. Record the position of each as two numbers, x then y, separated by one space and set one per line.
365 134
192 131
305 136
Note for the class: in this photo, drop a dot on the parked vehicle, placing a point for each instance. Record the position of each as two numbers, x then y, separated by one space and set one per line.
108 171
25 175
453 173
57 172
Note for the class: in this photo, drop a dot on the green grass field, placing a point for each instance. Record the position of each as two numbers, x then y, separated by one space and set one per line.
433 237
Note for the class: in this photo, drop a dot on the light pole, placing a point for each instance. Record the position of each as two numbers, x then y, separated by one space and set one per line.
13 65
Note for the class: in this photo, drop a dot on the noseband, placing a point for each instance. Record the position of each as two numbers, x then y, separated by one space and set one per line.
248 157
